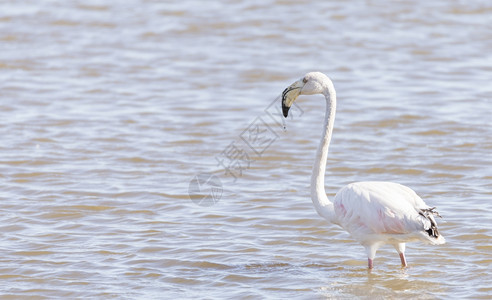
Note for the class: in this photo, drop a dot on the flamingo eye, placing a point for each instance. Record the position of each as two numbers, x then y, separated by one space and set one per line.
304 80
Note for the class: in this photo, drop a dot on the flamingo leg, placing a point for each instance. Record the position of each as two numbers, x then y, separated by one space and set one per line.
403 260
371 254
400 248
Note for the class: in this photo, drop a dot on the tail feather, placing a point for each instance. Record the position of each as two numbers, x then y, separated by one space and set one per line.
430 225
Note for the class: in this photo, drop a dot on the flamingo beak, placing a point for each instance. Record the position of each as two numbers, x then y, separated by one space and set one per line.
289 95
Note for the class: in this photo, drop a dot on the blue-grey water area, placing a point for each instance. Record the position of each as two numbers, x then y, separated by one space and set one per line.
143 155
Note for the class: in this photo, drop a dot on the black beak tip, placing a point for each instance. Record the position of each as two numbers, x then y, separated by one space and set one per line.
285 110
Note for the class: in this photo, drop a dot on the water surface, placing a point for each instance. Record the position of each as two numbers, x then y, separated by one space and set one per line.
109 109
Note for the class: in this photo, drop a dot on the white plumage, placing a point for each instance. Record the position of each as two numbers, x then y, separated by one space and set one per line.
374 213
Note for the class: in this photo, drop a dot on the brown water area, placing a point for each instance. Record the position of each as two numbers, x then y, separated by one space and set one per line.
143 155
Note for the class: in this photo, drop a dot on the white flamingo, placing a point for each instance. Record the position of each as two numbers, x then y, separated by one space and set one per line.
374 213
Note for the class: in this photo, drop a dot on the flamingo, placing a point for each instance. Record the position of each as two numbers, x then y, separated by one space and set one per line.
374 213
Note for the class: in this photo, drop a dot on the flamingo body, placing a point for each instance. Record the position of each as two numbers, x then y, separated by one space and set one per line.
374 213
384 211
377 213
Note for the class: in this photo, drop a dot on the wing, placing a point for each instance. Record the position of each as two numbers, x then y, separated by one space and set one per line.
368 208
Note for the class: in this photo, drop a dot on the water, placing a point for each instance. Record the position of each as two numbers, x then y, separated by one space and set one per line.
109 109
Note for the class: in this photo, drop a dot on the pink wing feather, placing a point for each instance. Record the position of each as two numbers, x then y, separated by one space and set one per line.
366 209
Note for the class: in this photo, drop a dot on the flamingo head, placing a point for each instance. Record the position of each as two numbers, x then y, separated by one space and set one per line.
312 83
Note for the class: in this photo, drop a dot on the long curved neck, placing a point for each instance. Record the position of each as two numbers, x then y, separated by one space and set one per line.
321 202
